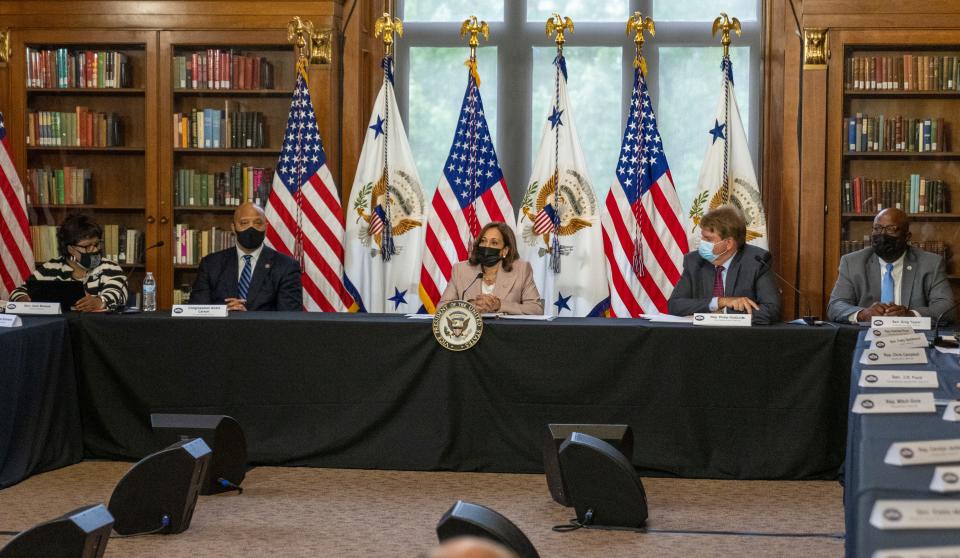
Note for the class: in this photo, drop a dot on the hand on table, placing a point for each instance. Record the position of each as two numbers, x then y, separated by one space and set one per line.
236 304
89 303
738 303
486 303
875 309
897 310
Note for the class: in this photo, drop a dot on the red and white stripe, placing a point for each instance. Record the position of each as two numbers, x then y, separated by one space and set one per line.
16 253
319 225
450 233
664 243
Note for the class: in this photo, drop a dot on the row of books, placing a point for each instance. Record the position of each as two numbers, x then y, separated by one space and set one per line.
83 128
120 244
895 133
182 295
906 72
221 69
916 195
191 245
214 128
937 247
66 186
195 188
62 68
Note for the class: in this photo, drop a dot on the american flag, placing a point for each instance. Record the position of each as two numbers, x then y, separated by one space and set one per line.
304 216
643 233
16 254
471 193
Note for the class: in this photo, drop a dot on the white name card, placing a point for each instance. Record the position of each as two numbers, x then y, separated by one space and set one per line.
899 379
725 320
894 356
882 332
916 514
923 453
946 479
910 341
882 403
10 320
920 552
199 311
39 308
952 412
915 322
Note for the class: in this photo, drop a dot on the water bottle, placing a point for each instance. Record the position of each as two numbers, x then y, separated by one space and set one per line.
149 293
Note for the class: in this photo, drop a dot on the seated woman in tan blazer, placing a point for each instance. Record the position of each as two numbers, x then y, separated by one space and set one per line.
494 279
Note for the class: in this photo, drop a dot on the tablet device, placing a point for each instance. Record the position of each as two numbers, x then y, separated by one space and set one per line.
67 293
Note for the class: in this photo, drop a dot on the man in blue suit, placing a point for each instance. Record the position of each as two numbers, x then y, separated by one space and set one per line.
250 276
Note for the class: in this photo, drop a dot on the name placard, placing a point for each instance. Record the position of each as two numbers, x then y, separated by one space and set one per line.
909 341
199 311
881 403
923 453
920 552
36 308
914 322
916 514
946 479
881 332
899 379
723 320
894 356
952 412
10 320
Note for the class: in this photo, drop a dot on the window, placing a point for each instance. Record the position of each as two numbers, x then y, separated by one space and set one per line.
683 62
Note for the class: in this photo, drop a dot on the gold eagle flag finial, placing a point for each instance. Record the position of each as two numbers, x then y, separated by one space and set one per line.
637 24
725 24
559 25
475 28
300 32
387 26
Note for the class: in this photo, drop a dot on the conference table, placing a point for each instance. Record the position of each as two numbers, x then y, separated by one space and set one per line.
377 391
869 479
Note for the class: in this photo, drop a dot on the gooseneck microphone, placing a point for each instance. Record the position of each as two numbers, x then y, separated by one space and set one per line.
764 260
475 279
940 341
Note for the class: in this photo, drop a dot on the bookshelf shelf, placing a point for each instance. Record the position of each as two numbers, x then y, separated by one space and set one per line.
899 94
232 92
913 216
229 151
932 155
98 91
80 149
72 207
204 208
186 266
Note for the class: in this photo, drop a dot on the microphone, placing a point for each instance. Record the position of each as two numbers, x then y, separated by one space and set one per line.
475 279
157 244
940 341
765 261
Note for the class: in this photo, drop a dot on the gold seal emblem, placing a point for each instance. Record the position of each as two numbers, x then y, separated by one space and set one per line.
457 325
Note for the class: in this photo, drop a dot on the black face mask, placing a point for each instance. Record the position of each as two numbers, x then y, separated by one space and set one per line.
89 261
250 238
888 248
489 256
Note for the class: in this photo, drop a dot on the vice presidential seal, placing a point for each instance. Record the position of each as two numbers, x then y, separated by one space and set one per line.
457 325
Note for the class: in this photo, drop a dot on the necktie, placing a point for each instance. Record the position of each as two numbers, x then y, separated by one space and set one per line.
718 281
886 286
244 285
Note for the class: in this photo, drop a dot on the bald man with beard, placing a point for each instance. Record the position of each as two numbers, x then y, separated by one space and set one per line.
249 276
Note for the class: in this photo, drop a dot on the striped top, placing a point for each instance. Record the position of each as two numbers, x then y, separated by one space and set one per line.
106 280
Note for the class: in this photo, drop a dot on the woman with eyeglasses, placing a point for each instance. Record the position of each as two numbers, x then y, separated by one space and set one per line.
78 240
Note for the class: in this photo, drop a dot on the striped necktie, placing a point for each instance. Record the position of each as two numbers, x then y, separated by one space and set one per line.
718 281
244 285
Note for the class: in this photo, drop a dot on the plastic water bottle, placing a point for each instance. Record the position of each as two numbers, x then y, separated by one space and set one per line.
149 293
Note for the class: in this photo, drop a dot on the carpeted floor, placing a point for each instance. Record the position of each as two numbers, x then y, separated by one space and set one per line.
354 513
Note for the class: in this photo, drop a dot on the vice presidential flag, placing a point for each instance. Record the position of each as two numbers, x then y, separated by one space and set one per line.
559 218
16 253
304 216
727 175
386 215
471 193
644 238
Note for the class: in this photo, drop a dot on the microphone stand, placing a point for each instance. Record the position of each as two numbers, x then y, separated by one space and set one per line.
808 319
940 341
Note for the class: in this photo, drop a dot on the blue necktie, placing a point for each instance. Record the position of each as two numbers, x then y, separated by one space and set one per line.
886 286
244 284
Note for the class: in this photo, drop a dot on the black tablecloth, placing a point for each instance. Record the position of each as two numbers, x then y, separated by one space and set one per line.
39 414
869 479
378 392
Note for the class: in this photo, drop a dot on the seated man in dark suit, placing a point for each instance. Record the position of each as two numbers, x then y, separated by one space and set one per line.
890 278
726 274
250 276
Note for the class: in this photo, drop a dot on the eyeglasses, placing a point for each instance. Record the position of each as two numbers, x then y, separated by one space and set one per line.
87 248
886 229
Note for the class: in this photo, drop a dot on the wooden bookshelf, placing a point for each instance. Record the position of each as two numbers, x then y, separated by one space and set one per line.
938 98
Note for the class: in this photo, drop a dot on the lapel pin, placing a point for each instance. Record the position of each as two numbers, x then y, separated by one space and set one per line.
267 266
909 267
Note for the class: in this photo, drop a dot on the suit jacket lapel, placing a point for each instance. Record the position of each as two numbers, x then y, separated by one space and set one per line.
732 272
262 269
505 281
707 272
907 275
232 274
872 273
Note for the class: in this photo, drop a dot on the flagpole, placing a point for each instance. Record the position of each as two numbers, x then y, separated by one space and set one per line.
725 24
475 28
387 26
298 32
637 24
557 25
